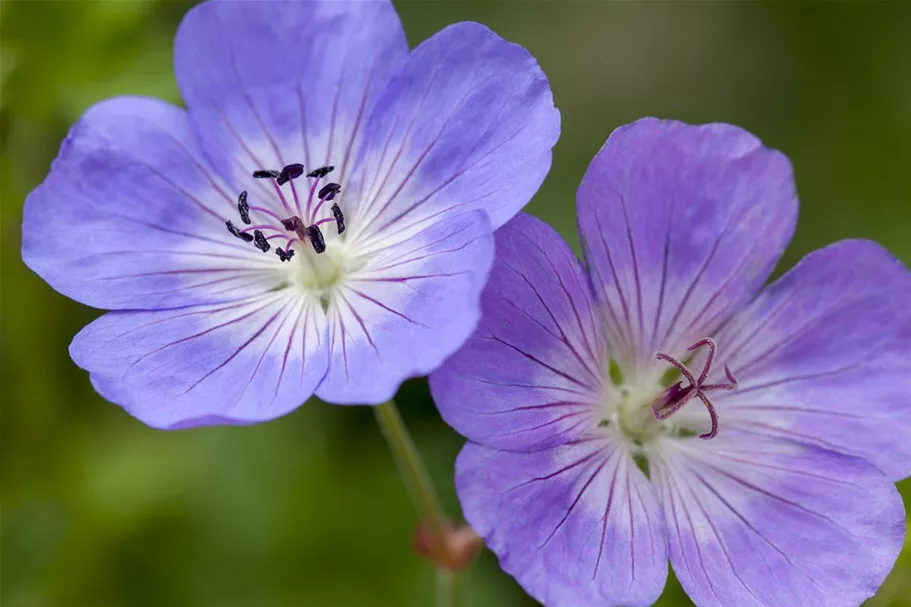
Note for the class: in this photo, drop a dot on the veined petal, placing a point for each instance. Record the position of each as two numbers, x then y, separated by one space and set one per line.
131 217
757 521
412 305
273 83
577 524
824 355
236 363
467 123
681 226
532 375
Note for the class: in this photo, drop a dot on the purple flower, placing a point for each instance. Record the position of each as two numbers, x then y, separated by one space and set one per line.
319 220
588 466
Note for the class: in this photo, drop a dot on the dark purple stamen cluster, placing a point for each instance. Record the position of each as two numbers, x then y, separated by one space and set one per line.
302 230
677 395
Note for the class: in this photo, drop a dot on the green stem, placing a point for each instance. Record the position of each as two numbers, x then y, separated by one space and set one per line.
448 594
417 481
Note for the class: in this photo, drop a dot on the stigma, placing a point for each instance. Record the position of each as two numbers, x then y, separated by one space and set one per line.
678 395
300 222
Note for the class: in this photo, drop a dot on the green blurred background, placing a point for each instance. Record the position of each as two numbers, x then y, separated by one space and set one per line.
99 510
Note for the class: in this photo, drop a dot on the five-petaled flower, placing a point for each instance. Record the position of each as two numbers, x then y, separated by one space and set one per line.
764 468
359 185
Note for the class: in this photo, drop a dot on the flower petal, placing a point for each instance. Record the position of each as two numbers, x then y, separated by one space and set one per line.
412 305
578 524
532 375
757 521
130 217
681 225
824 355
468 123
237 363
273 83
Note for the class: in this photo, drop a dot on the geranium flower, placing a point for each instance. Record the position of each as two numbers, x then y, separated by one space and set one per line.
764 467
318 220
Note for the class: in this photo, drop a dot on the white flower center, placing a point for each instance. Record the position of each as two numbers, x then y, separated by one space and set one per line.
321 274
634 414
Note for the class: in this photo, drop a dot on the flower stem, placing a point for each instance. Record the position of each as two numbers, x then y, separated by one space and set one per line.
448 594
417 481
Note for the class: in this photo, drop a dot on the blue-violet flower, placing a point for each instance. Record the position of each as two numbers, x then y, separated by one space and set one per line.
764 467
319 219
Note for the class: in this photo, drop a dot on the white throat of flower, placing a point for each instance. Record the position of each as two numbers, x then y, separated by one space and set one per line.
646 411
319 274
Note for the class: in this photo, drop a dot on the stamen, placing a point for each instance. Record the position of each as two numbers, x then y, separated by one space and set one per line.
321 172
282 255
293 223
328 191
297 200
339 218
322 200
316 238
281 196
243 208
292 171
317 174
675 397
242 235
260 242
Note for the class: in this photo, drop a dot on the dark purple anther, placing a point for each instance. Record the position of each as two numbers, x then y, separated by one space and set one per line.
243 208
260 242
292 171
242 235
316 238
339 218
321 172
266 174
328 191
292 224
282 255
673 399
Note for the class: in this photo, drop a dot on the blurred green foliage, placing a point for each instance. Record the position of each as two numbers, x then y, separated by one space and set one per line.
99 510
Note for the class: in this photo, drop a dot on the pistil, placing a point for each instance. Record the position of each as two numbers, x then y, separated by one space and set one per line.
676 396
